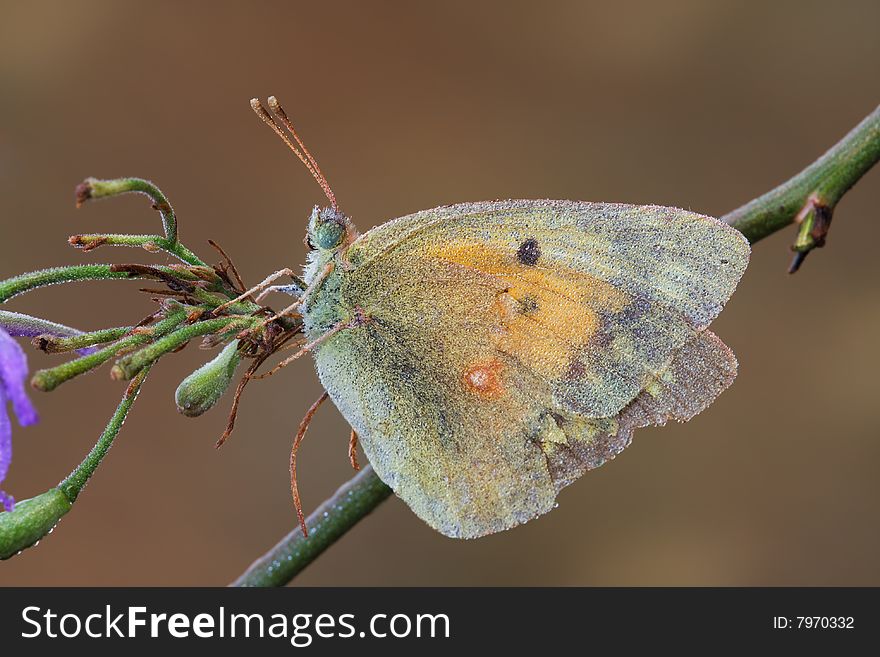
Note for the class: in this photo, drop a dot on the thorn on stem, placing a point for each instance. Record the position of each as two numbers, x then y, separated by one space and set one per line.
797 261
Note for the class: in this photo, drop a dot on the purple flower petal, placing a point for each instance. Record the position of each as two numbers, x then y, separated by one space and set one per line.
6 501
20 325
13 372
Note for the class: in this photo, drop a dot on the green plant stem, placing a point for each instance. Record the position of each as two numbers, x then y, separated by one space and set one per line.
49 379
34 518
330 521
128 366
32 280
53 345
73 484
94 188
149 242
828 178
12 287
831 176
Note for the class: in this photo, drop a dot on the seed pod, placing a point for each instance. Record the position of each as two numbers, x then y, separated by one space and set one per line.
203 388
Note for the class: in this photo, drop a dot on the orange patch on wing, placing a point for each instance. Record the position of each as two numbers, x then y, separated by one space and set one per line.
546 311
484 379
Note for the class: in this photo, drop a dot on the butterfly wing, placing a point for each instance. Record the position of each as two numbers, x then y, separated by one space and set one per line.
513 345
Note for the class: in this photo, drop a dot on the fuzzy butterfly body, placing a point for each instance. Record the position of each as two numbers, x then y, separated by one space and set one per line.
508 347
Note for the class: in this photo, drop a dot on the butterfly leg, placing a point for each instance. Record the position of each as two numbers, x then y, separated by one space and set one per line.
292 308
308 292
352 450
294 290
300 434
359 319
256 288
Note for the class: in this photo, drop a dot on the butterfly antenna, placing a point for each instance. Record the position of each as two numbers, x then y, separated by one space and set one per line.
298 148
275 106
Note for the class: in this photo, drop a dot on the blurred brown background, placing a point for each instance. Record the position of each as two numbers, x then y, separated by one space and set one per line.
407 106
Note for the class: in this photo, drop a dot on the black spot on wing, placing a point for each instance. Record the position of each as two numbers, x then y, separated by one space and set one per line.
529 252
528 305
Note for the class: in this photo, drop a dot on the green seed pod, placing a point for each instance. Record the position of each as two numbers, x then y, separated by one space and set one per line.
203 388
30 521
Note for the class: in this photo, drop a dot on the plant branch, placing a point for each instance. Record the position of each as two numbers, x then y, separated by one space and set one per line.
73 484
12 287
827 179
809 198
329 522
146 242
94 188
48 379
128 366
34 518
54 345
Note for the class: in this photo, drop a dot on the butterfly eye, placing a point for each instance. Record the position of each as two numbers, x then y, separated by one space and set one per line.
328 234
327 228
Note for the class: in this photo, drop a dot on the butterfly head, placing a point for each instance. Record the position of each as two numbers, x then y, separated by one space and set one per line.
330 229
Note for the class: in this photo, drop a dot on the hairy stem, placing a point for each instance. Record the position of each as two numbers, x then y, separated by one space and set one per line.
73 484
32 280
94 188
148 242
829 177
330 521
54 345
34 518
12 287
49 379
128 366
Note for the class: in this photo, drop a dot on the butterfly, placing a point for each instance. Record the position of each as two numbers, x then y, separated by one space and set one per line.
486 355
